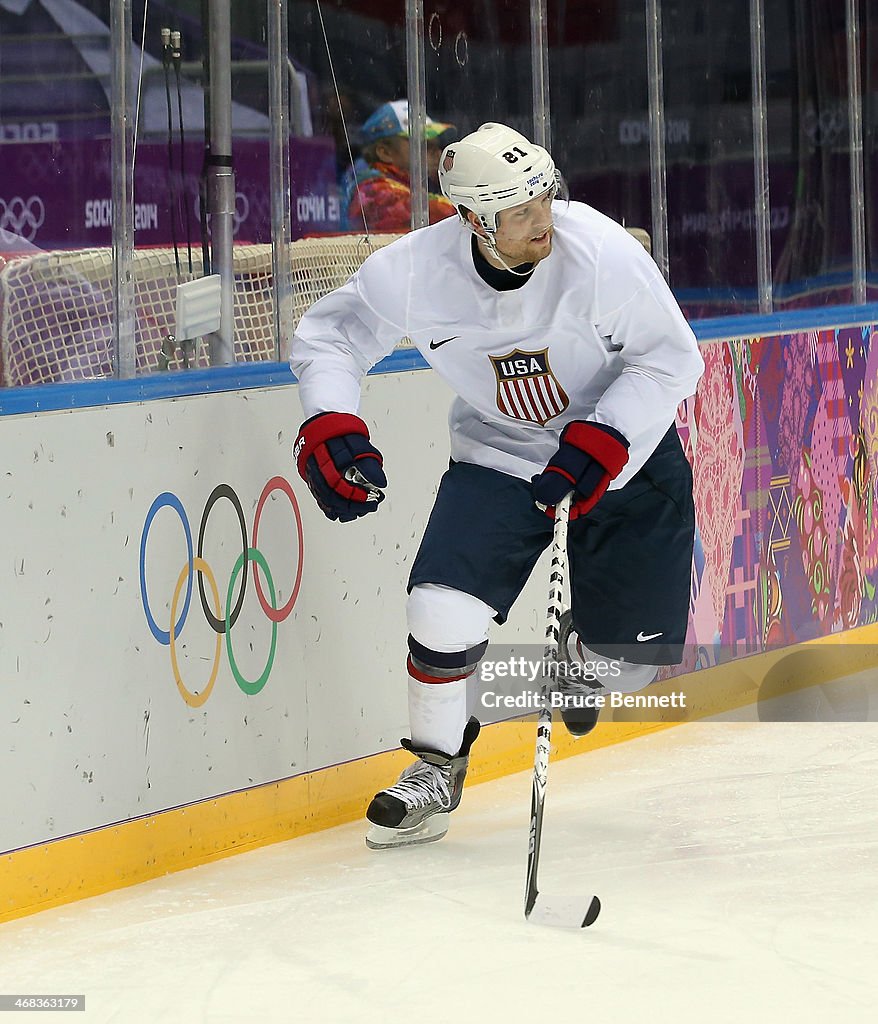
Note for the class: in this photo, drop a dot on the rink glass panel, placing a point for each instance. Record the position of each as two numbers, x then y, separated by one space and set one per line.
809 152
599 104
478 64
169 183
54 192
58 320
709 153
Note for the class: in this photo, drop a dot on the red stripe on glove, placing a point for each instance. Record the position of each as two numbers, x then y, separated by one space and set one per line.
324 428
601 446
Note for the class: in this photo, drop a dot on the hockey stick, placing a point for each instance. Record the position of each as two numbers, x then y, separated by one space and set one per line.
354 476
563 916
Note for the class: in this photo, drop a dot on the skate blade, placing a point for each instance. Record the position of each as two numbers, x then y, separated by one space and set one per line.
578 733
379 837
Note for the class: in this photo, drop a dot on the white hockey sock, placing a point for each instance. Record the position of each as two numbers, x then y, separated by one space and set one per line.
437 714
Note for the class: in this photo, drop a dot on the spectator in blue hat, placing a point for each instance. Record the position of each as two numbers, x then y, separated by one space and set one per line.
379 193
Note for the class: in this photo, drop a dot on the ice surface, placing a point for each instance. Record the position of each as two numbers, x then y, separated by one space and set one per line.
737 864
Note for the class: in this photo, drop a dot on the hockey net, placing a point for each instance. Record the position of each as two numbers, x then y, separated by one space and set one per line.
56 308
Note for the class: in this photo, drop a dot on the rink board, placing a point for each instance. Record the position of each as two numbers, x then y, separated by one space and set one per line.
124 759
103 725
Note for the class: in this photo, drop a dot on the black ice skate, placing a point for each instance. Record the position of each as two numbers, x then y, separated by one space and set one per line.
578 688
416 808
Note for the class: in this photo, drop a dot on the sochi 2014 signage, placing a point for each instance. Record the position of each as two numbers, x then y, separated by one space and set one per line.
221 619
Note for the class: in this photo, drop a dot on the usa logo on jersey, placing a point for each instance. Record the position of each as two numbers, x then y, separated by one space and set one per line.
526 387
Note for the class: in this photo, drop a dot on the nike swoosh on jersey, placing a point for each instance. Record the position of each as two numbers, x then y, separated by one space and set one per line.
646 636
439 344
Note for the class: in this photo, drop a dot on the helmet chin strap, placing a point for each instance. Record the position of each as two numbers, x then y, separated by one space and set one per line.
488 239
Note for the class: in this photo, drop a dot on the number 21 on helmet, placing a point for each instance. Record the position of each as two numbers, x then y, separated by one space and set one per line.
495 168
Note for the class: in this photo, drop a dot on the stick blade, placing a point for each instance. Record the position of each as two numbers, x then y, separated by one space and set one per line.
591 915
564 915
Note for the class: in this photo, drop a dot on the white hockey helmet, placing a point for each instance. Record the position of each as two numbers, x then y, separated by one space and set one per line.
493 169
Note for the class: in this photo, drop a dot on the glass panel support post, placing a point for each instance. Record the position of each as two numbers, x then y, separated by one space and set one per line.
657 171
279 83
122 189
760 157
221 176
417 89
855 129
539 56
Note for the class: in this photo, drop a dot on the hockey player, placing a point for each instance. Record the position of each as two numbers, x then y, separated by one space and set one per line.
569 357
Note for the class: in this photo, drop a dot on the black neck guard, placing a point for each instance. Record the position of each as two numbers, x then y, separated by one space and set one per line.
497 278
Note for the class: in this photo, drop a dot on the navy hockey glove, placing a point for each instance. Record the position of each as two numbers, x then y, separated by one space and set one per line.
342 469
589 456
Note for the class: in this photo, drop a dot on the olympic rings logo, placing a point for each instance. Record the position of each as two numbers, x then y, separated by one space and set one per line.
195 564
21 218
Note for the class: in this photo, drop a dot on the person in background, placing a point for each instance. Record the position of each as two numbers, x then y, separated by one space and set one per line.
376 193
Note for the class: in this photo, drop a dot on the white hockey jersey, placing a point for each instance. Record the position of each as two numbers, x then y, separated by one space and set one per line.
595 334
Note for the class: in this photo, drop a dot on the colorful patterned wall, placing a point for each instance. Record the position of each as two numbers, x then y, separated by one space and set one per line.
783 439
